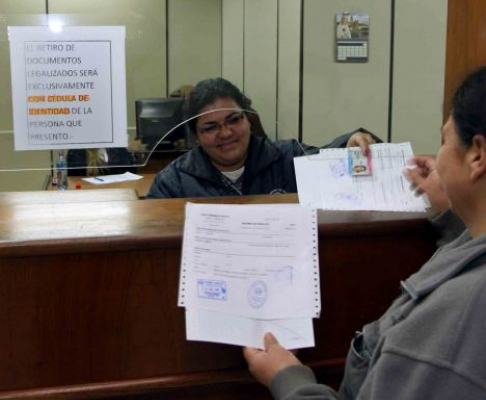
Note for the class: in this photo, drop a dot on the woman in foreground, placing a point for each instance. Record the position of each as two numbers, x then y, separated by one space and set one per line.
430 344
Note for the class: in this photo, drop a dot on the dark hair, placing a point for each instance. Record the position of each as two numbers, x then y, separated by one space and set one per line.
469 106
207 92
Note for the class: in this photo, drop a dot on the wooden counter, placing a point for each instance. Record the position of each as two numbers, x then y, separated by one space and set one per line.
66 196
88 295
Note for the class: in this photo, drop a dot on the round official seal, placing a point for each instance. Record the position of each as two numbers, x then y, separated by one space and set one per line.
257 294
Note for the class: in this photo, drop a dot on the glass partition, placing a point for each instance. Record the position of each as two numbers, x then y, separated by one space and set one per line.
280 53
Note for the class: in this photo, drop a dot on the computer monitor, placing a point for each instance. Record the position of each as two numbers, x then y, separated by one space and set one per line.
155 118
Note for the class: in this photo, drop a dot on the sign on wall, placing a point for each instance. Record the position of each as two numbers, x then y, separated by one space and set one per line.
68 87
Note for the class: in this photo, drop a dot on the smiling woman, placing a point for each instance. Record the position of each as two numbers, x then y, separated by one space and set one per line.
230 159
223 131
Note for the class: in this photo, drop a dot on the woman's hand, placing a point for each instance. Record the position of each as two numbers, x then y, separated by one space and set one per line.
424 179
264 364
361 139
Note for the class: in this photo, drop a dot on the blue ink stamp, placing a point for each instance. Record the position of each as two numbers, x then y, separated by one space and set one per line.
257 294
213 290
338 168
349 198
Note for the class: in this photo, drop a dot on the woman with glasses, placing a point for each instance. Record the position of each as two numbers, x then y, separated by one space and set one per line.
430 343
233 157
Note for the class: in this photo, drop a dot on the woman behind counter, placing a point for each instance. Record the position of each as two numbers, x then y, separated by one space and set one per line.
230 159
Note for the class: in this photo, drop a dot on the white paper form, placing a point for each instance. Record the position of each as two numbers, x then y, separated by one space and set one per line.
105 179
386 189
210 326
250 260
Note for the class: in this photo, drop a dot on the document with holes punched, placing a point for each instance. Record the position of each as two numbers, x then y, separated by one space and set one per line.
249 269
335 180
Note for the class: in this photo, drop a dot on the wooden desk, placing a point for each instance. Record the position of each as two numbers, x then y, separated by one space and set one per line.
88 299
66 196
141 186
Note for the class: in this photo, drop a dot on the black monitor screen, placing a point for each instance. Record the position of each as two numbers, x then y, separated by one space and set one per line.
155 118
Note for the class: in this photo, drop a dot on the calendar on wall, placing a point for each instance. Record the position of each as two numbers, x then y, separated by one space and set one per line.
352 36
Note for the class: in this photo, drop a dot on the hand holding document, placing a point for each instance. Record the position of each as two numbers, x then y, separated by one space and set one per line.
337 188
247 270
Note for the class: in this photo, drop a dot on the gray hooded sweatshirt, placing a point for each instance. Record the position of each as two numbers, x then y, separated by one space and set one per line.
430 344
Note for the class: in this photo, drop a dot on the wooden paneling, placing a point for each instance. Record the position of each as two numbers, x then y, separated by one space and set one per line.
466 50
88 299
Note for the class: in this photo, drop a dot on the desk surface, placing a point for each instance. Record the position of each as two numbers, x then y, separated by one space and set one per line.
154 222
141 186
66 196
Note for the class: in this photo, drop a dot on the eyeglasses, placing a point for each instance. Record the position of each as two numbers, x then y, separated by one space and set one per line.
213 128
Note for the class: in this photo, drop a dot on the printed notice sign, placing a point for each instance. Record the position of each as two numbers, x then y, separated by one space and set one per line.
68 87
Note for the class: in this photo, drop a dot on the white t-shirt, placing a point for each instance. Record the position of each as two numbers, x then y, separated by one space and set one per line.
233 176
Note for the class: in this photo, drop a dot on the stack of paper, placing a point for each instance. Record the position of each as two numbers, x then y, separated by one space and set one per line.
247 270
324 181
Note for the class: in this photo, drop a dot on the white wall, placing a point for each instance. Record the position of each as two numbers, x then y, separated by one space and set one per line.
261 48
288 69
233 41
419 73
339 97
260 62
194 41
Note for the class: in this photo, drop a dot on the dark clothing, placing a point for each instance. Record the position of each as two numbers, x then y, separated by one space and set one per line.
269 169
448 227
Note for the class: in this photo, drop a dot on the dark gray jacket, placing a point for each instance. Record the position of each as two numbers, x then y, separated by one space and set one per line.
430 344
269 169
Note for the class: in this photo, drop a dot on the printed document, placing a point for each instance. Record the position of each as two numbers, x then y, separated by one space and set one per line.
324 181
250 269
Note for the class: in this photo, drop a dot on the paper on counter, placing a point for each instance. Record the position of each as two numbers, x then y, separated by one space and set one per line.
104 179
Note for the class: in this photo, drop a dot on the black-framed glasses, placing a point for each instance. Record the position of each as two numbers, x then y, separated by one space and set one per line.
231 121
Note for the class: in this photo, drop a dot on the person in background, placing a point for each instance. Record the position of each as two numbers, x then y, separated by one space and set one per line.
103 161
179 137
430 343
234 156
